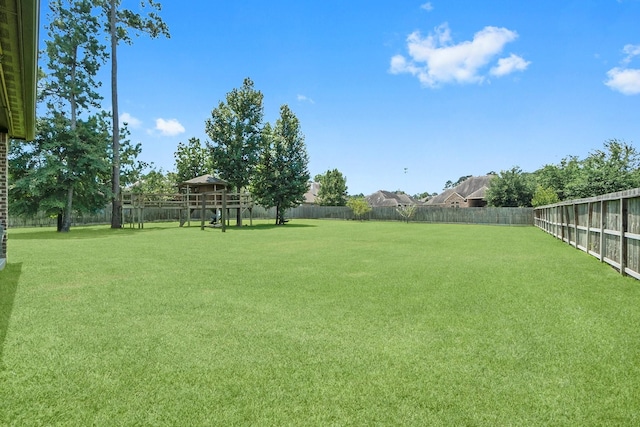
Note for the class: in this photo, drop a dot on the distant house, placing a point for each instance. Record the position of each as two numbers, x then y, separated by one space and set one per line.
311 196
468 194
383 198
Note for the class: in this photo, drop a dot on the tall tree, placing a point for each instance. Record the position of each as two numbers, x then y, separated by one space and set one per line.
155 181
131 169
59 159
74 56
616 167
235 130
43 170
562 178
511 188
118 23
544 196
333 188
282 174
191 160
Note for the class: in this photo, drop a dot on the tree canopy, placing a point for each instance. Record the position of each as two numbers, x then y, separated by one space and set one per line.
118 22
191 160
68 87
615 167
544 196
156 181
282 175
359 206
74 56
511 188
333 188
62 170
59 161
235 132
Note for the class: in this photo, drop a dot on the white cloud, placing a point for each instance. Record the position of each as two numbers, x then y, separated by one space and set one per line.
631 51
133 122
509 65
435 59
624 80
170 127
303 98
427 6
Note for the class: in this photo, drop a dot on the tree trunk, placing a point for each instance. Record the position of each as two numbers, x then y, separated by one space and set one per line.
59 222
66 217
279 215
239 212
116 213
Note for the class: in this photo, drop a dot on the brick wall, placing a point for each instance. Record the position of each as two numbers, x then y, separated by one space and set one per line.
4 189
455 201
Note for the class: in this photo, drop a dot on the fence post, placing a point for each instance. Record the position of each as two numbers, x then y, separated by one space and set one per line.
561 222
224 212
602 224
187 203
623 230
204 204
576 223
589 216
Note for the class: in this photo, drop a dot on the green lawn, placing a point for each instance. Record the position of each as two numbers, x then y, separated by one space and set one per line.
314 323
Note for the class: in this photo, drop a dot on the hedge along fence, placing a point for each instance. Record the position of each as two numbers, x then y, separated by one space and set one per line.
498 216
607 227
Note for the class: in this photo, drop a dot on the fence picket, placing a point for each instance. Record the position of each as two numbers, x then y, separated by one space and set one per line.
612 224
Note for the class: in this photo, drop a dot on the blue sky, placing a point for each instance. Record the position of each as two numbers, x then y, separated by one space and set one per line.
395 94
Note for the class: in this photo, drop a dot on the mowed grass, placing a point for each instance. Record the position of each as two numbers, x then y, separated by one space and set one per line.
315 323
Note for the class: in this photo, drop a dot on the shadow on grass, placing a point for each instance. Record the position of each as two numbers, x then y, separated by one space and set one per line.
96 232
259 227
8 285
90 232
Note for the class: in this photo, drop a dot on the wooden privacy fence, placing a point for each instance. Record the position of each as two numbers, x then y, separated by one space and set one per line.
607 227
3 260
495 216
158 210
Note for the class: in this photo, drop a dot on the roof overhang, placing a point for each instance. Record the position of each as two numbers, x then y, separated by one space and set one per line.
19 22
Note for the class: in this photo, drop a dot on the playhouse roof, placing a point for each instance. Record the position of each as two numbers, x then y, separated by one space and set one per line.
204 180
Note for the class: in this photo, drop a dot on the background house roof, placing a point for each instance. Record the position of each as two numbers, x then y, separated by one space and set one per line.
478 194
311 196
441 198
387 198
19 21
474 187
